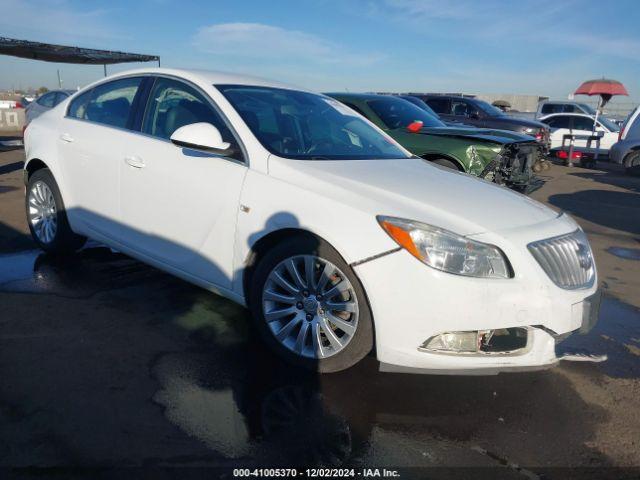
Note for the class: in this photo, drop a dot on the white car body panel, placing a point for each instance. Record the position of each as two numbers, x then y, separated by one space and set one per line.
556 134
200 221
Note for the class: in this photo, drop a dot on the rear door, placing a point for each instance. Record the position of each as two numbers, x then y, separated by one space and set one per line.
93 139
179 205
559 125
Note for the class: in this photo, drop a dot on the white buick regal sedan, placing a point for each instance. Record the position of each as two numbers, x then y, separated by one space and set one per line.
339 241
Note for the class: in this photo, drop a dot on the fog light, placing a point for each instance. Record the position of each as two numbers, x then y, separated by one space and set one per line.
478 341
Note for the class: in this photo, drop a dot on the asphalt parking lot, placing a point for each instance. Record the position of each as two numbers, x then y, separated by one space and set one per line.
106 362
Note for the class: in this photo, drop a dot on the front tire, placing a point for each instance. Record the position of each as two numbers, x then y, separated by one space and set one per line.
47 217
310 307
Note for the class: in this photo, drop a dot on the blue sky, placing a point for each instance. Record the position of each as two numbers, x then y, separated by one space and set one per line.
540 47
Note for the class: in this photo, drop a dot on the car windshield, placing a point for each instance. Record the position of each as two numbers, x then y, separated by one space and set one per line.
611 126
488 108
587 108
399 113
307 126
421 104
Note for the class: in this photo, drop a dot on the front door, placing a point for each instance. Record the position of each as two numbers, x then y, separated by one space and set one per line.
179 205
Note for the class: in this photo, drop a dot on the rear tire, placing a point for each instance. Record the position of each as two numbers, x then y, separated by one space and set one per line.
325 329
446 163
632 164
47 217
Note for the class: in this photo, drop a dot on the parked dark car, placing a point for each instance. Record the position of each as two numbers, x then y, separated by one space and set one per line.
482 114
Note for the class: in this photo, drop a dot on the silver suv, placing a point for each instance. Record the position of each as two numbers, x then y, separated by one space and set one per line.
627 150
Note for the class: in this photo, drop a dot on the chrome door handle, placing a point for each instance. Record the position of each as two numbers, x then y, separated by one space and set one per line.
65 137
133 161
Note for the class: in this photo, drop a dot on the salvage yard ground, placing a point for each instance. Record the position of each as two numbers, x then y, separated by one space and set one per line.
107 362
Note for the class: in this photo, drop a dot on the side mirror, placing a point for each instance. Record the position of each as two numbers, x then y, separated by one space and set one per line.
474 115
201 136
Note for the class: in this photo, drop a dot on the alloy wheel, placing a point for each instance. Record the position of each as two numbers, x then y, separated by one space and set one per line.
43 215
310 306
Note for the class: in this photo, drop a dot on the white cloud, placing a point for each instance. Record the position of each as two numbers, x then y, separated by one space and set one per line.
260 41
56 21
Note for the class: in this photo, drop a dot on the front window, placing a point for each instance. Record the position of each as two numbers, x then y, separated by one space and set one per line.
308 126
488 108
587 108
399 113
608 124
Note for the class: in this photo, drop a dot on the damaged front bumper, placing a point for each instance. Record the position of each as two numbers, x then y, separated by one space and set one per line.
513 165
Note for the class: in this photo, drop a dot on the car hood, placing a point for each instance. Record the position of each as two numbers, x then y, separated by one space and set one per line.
507 120
414 189
482 134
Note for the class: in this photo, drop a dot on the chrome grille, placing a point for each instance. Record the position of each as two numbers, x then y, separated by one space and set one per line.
566 259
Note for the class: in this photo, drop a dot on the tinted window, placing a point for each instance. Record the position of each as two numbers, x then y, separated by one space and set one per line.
460 108
420 104
59 98
439 105
308 126
47 100
488 108
398 113
355 108
583 123
633 130
173 104
110 102
557 122
78 105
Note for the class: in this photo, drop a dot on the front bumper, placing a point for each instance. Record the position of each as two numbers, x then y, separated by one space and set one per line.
412 302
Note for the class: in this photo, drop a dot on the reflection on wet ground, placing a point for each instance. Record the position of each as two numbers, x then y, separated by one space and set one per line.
626 253
217 384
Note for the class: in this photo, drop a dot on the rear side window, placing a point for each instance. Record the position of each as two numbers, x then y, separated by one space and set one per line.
439 105
59 98
107 104
558 122
173 104
47 100
583 123
633 131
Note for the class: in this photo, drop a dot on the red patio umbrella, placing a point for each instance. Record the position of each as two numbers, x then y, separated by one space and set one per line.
604 87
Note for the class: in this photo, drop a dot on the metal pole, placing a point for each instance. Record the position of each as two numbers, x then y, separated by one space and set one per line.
158 62
59 80
105 69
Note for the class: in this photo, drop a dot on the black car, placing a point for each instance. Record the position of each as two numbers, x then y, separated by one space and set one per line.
479 113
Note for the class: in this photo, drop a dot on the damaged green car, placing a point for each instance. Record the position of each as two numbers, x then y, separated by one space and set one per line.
499 156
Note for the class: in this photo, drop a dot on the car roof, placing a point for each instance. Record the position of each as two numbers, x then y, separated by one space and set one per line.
361 96
572 114
205 76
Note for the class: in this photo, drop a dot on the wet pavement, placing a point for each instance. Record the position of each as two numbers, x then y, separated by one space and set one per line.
107 362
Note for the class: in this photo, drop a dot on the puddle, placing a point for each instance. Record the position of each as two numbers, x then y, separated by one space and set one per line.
616 334
81 275
626 253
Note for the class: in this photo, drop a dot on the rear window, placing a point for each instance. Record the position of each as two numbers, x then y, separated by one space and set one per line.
633 130
398 113
439 105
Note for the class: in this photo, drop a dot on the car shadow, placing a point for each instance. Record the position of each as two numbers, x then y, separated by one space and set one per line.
612 209
107 361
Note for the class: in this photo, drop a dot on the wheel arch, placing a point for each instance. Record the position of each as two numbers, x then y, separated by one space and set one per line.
261 246
431 156
265 243
31 166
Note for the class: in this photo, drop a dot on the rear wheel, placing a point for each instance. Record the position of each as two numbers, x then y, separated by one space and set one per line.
632 163
444 162
47 217
309 306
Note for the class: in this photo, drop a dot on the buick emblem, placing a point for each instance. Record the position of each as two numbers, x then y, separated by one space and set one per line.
584 257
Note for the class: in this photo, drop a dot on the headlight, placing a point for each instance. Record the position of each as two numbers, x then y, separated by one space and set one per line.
446 251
